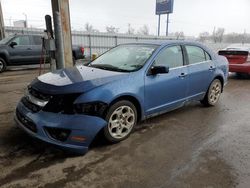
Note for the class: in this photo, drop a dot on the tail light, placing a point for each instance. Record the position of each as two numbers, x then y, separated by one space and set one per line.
82 50
248 58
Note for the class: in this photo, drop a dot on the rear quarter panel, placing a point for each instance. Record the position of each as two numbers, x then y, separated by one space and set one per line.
222 68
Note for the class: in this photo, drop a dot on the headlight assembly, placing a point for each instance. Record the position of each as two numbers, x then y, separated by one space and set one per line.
92 108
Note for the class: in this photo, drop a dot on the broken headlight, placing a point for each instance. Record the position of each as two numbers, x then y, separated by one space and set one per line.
92 108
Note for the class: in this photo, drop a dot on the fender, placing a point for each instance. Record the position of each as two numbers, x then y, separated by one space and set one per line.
108 94
5 54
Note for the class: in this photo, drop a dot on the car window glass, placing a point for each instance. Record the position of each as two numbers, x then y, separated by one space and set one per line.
170 57
208 57
125 57
37 40
22 40
195 54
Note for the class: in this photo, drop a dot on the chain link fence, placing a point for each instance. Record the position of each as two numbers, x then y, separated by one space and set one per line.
101 42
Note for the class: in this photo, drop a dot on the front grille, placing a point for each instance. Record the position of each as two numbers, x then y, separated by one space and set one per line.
61 103
56 103
26 122
34 108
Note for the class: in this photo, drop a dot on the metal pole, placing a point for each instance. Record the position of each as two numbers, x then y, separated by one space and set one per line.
2 31
116 40
159 25
50 35
60 9
90 47
26 20
167 24
60 61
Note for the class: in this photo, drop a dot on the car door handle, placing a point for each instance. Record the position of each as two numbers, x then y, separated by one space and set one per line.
29 49
183 75
211 68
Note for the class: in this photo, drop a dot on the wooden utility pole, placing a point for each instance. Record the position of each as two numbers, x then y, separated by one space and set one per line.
2 33
62 27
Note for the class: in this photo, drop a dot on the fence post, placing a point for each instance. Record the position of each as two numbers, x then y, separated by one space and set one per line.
90 50
116 40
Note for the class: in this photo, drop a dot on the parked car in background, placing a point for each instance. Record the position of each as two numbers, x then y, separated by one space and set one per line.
129 83
26 50
238 56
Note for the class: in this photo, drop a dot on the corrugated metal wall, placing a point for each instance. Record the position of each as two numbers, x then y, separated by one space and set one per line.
99 42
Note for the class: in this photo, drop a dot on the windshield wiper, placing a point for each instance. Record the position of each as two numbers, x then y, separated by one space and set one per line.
108 67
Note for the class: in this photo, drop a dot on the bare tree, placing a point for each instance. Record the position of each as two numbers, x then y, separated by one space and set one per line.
227 38
179 35
218 35
112 29
144 30
96 31
88 27
204 36
131 31
237 38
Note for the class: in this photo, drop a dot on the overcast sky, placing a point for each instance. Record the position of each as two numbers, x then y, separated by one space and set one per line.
190 16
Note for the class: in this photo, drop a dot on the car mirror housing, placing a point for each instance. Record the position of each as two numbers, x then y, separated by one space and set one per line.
159 70
12 44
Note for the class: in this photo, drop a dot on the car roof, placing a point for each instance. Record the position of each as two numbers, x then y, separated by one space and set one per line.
169 42
17 35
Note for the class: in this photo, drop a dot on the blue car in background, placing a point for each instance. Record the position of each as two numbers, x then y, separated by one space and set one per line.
127 84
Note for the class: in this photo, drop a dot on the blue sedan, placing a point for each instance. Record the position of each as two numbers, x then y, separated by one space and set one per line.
127 84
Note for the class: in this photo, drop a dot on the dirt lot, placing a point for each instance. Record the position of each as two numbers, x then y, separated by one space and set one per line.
192 147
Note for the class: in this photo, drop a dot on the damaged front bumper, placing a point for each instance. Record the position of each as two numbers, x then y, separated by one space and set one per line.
71 132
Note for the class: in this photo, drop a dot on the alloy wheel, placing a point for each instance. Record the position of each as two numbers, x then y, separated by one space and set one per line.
121 122
215 92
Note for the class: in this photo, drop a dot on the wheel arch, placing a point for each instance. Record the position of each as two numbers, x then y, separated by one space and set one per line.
131 99
219 77
4 57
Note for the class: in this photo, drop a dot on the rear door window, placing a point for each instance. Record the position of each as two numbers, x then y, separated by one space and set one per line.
195 54
208 57
22 40
170 57
37 40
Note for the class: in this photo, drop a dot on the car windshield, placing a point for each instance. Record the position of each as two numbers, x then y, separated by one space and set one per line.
6 40
124 58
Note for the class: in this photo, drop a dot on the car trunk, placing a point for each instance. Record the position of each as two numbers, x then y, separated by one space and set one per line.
235 56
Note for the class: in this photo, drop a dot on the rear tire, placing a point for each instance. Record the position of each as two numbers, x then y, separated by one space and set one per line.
2 65
213 94
121 118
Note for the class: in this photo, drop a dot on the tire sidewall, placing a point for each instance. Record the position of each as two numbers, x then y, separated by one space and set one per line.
4 65
111 109
209 92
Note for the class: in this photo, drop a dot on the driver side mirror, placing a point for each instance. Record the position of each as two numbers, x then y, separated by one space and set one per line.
12 44
159 70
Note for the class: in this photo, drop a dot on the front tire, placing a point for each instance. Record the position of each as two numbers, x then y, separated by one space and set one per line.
2 65
213 93
121 118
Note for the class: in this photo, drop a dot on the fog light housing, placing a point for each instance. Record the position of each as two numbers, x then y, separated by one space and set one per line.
58 134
